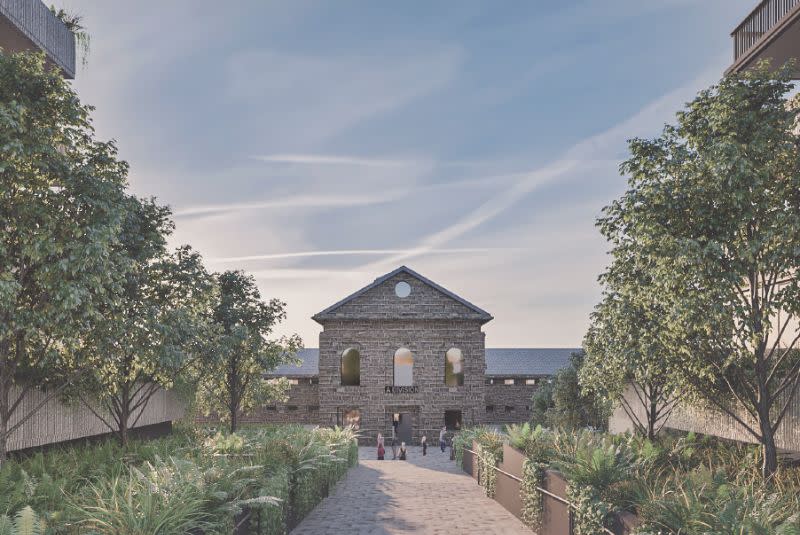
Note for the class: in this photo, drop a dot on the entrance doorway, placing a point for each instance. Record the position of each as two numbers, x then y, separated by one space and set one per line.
402 426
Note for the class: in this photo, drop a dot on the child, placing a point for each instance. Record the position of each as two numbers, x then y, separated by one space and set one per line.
381 449
402 451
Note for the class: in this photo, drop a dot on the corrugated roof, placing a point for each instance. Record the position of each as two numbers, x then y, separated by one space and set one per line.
499 361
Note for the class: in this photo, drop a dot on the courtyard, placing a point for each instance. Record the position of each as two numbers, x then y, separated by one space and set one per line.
427 494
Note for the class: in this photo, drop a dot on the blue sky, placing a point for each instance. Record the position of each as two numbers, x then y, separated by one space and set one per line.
319 145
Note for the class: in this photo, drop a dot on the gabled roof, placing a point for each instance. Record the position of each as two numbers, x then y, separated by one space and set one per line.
500 362
403 269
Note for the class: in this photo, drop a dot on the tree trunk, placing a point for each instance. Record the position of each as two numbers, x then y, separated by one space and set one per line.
234 421
124 414
652 415
5 405
770 452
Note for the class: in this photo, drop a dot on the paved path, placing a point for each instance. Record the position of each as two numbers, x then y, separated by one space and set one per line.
422 495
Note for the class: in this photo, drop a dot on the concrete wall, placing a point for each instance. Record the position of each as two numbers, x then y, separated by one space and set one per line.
710 421
58 422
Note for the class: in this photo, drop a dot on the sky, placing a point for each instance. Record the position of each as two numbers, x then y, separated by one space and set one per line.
318 145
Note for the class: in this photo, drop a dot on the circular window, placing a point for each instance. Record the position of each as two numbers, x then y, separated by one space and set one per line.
402 289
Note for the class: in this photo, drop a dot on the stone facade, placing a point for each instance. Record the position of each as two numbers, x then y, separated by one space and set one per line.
377 323
428 321
302 407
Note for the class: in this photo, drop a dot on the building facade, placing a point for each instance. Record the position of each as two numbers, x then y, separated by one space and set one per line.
405 354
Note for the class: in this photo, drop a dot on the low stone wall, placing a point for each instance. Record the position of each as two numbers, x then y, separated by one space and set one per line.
57 421
501 397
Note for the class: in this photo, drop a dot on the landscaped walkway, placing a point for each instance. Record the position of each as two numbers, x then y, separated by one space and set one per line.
422 495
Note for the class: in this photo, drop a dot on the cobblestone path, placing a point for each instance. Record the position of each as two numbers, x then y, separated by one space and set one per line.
421 495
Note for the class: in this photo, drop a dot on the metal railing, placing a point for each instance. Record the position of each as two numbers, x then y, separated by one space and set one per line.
539 489
761 20
37 22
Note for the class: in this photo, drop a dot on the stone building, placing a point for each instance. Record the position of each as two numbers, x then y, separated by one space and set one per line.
404 352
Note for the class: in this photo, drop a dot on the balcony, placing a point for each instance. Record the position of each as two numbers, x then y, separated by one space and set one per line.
771 31
29 25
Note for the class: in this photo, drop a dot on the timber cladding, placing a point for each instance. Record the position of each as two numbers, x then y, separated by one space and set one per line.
709 421
57 421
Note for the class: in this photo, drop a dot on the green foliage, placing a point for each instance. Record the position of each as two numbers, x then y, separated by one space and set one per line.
198 483
231 378
157 324
532 500
62 199
711 224
563 405
25 522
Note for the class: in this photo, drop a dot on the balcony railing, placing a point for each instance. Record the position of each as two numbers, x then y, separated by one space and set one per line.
37 22
760 21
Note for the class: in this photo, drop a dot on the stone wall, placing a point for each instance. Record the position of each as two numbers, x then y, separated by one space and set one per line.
377 342
501 396
302 407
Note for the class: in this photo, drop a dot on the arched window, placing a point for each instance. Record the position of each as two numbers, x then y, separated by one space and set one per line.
403 367
454 367
351 367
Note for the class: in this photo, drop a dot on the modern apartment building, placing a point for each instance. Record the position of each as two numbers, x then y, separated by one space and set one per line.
30 25
771 31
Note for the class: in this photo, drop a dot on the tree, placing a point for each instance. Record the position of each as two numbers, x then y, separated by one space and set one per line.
714 206
156 326
61 198
626 353
562 404
232 381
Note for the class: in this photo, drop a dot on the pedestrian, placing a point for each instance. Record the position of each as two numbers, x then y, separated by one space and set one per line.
381 449
394 446
424 441
442 433
402 451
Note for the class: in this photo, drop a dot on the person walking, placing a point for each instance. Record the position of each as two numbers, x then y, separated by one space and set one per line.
424 441
402 451
442 442
381 448
394 445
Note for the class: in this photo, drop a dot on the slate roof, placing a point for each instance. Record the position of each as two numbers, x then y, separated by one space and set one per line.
527 361
499 362
403 269
309 365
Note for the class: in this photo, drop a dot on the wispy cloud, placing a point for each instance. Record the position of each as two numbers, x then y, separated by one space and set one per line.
300 201
580 157
323 159
355 252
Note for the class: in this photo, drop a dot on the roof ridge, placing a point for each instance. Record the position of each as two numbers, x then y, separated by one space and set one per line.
409 271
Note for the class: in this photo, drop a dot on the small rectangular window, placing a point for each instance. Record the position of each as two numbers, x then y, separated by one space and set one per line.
489 408
530 381
314 381
509 408
294 381
272 408
508 381
313 408
291 407
489 381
